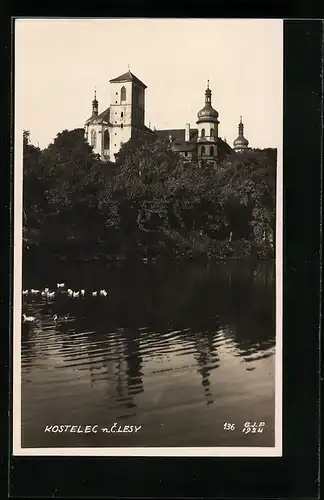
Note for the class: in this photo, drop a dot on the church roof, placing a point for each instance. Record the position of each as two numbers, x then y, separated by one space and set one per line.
177 134
148 130
179 144
225 147
184 146
103 117
128 77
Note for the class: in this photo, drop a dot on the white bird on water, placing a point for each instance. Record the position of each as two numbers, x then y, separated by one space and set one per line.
69 291
82 292
94 294
56 317
28 319
104 293
76 294
60 285
25 292
50 294
34 291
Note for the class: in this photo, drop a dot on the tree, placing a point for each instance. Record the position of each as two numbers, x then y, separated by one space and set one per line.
150 202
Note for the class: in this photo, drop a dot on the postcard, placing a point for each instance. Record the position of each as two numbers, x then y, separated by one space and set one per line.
148 237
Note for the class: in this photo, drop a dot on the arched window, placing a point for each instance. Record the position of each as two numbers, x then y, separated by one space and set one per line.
93 138
123 94
122 115
202 150
212 131
203 132
211 151
106 139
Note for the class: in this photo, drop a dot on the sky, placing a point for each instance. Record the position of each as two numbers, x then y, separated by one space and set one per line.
59 63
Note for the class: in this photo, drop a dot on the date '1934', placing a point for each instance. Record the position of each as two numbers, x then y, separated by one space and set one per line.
247 428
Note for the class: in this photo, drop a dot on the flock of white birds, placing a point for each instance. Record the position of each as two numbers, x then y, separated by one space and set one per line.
60 289
50 294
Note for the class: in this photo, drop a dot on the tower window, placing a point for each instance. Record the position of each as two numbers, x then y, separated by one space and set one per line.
202 149
212 132
106 139
122 115
203 132
121 126
93 136
123 94
211 151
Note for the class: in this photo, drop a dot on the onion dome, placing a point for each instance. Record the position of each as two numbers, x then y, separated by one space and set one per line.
207 113
240 142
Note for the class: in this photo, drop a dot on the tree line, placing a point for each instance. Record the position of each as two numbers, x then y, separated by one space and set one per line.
149 203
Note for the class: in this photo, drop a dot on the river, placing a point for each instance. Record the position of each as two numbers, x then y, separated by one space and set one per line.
177 349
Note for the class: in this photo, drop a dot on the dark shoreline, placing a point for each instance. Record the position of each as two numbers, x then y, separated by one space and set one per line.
37 252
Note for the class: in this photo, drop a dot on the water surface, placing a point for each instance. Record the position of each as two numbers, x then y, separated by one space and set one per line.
177 349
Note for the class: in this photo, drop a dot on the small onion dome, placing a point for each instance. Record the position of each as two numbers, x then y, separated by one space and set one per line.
240 142
207 113
95 105
95 102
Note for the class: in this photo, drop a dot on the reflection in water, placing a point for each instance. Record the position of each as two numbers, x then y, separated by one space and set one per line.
206 360
178 350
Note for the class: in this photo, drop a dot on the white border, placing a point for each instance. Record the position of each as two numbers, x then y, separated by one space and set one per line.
17 450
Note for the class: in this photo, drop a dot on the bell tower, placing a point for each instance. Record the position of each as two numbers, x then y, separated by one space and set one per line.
127 109
207 125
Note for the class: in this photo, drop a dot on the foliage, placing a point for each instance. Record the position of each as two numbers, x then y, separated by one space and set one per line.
149 202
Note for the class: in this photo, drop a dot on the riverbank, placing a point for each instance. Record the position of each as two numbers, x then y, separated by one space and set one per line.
88 252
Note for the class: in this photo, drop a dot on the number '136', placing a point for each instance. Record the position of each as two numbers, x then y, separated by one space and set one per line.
228 426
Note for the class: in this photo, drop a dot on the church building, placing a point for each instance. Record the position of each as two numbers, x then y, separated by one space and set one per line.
108 130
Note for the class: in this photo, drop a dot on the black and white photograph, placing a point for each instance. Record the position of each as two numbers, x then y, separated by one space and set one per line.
147 237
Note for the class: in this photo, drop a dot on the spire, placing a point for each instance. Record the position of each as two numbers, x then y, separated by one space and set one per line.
240 127
95 104
208 94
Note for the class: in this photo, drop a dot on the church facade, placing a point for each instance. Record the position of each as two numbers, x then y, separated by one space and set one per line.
125 116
